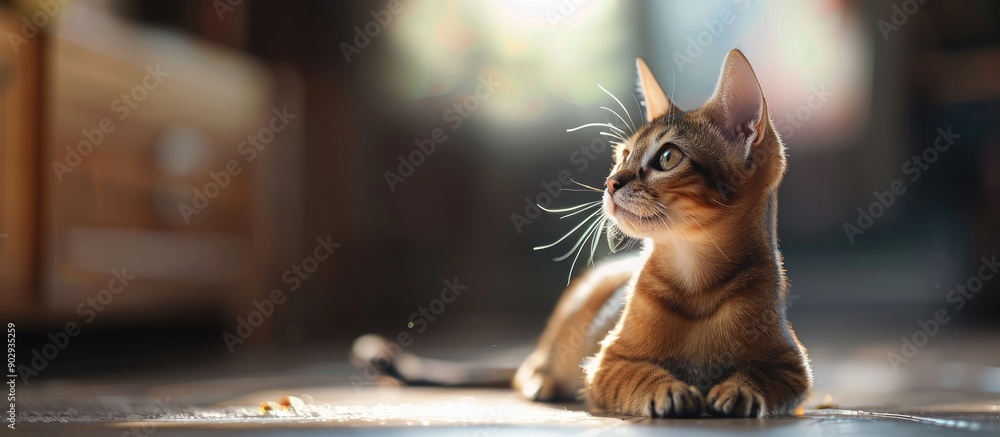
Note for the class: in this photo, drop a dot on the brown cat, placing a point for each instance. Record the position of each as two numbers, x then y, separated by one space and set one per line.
704 327
697 323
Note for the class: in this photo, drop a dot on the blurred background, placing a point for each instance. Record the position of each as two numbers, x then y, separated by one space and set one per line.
358 155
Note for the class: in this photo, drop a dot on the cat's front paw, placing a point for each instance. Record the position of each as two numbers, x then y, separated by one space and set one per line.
735 399
674 399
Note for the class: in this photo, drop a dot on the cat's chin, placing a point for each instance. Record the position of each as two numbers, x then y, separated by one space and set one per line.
632 224
636 226
657 235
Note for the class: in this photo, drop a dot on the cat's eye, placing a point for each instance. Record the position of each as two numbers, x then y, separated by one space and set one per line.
668 158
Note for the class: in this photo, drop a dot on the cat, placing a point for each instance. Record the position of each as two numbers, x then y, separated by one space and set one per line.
697 323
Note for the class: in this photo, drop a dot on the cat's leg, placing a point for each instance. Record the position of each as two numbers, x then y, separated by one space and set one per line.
552 372
635 387
774 387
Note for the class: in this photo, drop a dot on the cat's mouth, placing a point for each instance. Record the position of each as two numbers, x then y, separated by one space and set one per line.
625 213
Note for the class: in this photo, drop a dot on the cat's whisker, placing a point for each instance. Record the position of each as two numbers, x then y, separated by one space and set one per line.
717 202
578 252
662 208
664 215
672 237
593 244
609 228
570 232
638 105
717 247
625 244
709 235
607 125
627 240
572 208
617 129
580 210
616 238
667 221
632 244
587 186
673 87
579 242
608 134
602 224
664 218
620 104
611 234
589 190
617 115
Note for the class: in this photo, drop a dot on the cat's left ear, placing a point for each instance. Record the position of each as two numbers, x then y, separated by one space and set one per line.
738 105
657 103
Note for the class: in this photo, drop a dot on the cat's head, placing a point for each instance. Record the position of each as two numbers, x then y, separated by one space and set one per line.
683 171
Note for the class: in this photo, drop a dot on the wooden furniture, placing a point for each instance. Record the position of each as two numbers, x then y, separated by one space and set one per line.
135 121
20 134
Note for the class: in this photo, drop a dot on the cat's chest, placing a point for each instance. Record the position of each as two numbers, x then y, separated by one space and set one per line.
724 335
703 375
709 350
718 337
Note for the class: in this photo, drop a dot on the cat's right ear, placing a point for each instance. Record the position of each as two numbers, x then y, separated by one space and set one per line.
738 105
657 103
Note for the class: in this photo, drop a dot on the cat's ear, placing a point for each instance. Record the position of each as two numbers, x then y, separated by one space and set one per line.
738 105
657 103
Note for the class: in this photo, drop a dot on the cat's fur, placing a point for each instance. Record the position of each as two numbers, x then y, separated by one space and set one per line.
697 323
704 327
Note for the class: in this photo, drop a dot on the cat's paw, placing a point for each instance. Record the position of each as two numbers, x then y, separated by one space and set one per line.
539 387
735 399
536 381
674 399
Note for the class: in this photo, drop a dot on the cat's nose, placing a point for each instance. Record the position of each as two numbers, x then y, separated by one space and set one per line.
613 184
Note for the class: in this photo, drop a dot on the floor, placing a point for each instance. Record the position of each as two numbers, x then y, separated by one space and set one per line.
856 393
443 412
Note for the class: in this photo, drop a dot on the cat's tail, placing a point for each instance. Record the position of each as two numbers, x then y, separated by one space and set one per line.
379 356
